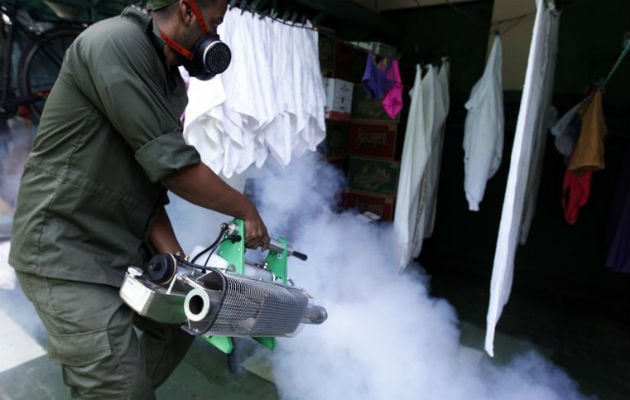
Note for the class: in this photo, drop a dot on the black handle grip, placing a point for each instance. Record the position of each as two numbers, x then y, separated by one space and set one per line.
299 255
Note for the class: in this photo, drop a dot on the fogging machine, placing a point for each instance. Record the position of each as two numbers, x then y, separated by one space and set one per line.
226 296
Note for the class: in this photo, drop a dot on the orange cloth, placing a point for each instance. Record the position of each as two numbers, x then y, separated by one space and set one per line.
589 150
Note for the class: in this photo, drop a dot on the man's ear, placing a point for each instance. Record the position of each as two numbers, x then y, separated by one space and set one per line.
186 12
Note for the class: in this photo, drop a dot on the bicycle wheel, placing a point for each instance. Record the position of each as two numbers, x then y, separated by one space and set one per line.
40 65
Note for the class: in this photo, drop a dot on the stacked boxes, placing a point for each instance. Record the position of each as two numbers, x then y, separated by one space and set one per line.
336 65
338 99
339 60
335 147
373 176
373 139
326 55
373 163
383 206
366 108
361 139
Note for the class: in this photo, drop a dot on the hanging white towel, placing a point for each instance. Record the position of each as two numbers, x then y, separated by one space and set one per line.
483 130
203 126
546 118
315 130
269 106
520 163
442 101
432 106
417 183
413 161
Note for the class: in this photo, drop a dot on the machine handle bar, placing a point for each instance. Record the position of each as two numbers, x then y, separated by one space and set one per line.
276 246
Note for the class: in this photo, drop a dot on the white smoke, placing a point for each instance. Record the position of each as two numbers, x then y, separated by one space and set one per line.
15 143
385 337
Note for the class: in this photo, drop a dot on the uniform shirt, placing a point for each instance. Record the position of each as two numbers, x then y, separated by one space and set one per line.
110 131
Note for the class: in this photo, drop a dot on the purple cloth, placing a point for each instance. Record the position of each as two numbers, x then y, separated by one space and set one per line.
618 257
375 78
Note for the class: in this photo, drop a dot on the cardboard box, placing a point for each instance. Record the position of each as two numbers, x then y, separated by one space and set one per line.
327 54
366 108
373 175
381 205
373 139
338 99
344 61
340 162
336 142
339 60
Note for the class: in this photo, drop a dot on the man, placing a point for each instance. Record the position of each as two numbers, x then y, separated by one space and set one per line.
91 200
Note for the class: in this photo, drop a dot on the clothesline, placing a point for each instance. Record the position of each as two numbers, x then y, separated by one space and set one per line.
614 69
287 18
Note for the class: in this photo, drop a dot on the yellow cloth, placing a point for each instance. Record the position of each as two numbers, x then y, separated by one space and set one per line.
589 150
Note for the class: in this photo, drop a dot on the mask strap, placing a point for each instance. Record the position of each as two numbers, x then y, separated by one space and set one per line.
177 47
195 9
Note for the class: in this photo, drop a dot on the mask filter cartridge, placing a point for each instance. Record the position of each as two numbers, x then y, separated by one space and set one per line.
211 56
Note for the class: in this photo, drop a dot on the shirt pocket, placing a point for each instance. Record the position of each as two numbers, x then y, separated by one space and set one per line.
79 349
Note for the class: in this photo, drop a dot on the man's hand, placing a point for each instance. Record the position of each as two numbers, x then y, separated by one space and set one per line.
199 185
255 232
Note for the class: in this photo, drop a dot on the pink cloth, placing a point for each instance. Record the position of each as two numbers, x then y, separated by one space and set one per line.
392 101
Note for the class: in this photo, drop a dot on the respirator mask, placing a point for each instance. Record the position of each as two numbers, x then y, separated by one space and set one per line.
208 57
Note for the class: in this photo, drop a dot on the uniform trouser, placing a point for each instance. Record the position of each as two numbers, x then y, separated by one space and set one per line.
91 333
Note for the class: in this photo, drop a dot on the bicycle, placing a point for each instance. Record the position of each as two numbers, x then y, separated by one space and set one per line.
42 41
45 31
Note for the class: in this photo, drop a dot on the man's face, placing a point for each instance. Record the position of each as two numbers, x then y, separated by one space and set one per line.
196 22
213 16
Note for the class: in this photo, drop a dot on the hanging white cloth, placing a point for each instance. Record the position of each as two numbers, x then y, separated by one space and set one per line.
483 129
431 108
520 164
414 156
442 101
419 166
564 131
417 181
267 106
206 133
547 115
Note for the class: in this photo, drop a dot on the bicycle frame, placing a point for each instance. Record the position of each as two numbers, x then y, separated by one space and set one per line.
47 39
35 33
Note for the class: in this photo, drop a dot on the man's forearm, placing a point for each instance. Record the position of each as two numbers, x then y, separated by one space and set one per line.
162 237
201 186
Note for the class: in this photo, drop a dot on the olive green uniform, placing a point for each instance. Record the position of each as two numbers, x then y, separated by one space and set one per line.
110 131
